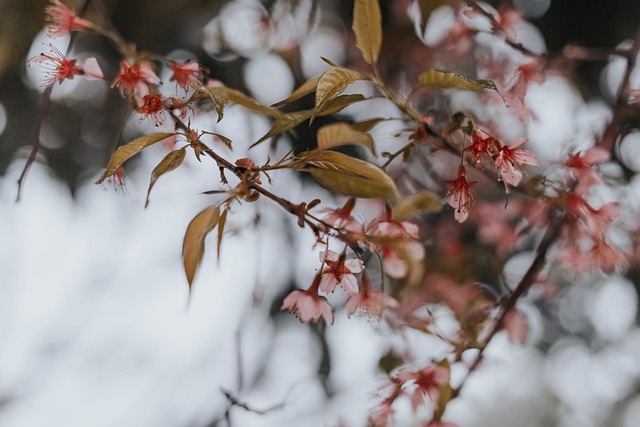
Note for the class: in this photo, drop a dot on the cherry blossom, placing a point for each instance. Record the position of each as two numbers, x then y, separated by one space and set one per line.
60 68
340 271
482 147
369 303
404 235
186 73
595 221
460 196
135 79
153 106
308 305
423 382
341 218
508 162
582 165
60 20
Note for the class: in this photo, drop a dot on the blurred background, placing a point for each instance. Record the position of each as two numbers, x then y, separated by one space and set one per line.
96 324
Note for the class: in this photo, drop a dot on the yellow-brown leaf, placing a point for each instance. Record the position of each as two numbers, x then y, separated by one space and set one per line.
339 134
331 84
170 162
367 27
305 89
193 245
450 80
125 152
348 175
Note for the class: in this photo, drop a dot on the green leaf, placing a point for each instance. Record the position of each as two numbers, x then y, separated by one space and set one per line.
367 27
125 152
170 162
348 175
450 80
193 245
422 202
305 89
331 84
339 134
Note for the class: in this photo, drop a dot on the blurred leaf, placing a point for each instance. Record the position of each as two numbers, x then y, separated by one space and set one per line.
331 84
170 162
193 246
367 125
423 201
367 27
125 152
348 175
339 134
305 89
450 80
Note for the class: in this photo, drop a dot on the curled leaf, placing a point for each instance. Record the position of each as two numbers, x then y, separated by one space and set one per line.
170 162
367 27
125 152
348 175
422 202
339 134
193 245
331 84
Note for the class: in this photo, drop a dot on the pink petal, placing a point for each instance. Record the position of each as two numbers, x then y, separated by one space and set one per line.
596 155
92 69
354 265
328 283
349 284
518 142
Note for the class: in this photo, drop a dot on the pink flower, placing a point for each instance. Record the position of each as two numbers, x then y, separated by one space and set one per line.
186 73
369 303
582 167
424 382
118 179
308 306
134 79
153 106
508 162
398 235
341 218
60 68
482 148
460 196
60 20
596 221
338 270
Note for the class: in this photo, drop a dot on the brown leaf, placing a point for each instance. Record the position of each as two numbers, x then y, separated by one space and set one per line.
331 84
341 102
193 246
339 134
170 162
421 202
367 27
125 152
367 125
348 175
